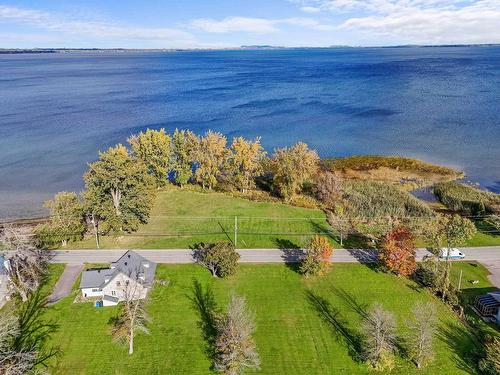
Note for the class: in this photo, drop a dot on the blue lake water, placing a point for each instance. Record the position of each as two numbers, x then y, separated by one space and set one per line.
57 110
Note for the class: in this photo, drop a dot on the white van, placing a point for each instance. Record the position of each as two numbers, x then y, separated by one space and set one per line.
453 253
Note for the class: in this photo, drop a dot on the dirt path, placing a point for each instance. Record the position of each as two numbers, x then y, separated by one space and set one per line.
66 281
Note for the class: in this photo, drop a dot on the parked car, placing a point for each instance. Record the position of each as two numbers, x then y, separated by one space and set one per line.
452 253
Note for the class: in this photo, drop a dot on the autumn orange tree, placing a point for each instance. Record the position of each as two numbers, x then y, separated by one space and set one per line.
398 251
317 257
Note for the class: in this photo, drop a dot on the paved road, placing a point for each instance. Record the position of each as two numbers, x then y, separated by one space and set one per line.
481 254
65 283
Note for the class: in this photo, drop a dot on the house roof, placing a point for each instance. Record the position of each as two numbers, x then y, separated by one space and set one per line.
95 278
130 264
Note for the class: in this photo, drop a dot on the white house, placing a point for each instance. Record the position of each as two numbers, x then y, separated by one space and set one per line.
132 274
4 280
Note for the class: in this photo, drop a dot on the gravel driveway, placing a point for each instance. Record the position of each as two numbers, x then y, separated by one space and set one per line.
494 268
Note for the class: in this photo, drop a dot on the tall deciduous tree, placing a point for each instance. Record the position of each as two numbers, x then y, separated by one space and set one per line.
317 257
27 265
221 258
118 187
209 154
398 251
291 168
94 214
154 149
245 162
340 220
328 189
183 142
422 329
66 221
379 330
235 349
132 316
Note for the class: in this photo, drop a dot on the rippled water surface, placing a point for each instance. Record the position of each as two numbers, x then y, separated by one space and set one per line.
58 110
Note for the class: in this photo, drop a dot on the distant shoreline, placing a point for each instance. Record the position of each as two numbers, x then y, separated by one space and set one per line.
14 51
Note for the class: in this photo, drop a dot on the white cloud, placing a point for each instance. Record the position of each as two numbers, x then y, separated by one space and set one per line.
416 21
435 22
88 28
235 24
255 25
308 9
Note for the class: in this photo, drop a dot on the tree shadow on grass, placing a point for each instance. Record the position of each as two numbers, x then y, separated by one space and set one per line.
362 310
352 241
324 229
341 330
468 293
204 302
350 302
464 344
367 257
357 241
34 331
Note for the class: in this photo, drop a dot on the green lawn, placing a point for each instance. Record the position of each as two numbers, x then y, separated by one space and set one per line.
292 334
486 235
182 218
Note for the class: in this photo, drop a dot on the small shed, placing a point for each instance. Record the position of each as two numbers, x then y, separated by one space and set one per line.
488 304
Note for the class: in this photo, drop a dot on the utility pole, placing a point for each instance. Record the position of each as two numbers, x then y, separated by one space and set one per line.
235 231
460 281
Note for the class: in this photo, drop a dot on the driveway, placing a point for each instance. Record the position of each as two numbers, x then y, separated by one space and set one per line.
65 283
494 268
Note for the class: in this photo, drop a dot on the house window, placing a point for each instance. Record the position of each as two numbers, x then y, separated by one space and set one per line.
113 293
95 290
118 284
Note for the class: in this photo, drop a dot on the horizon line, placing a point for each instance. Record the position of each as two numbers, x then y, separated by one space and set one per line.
253 46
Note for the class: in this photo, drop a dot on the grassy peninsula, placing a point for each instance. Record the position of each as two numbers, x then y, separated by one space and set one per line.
407 172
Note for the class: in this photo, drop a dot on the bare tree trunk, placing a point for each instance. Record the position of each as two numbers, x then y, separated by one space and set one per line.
20 289
131 342
116 194
96 230
446 281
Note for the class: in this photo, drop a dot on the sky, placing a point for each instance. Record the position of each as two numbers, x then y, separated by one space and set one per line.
232 23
